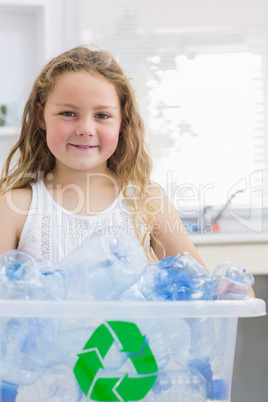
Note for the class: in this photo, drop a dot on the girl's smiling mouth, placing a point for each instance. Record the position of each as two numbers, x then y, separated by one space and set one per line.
84 147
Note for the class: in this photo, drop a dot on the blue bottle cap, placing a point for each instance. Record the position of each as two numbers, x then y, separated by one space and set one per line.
203 366
8 391
217 390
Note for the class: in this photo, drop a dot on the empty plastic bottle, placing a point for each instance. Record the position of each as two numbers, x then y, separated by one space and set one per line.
68 342
103 267
187 386
179 277
193 343
177 337
133 294
207 347
22 277
28 347
155 337
162 382
18 275
54 385
232 281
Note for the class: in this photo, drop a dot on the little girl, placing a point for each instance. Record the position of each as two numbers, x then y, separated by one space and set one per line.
83 166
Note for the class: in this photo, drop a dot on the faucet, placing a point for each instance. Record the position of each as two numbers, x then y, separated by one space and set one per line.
208 224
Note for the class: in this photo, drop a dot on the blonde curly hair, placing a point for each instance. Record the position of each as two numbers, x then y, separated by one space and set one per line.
130 162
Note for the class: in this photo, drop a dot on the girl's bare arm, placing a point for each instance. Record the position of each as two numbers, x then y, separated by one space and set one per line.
168 228
14 207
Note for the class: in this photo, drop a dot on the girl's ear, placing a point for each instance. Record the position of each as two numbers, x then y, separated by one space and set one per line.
40 115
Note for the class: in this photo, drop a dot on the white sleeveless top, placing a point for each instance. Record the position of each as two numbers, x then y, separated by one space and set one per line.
51 232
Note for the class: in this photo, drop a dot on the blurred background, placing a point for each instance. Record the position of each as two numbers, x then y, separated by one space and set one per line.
200 71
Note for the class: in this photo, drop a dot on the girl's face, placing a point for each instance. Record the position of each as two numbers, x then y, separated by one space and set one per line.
82 119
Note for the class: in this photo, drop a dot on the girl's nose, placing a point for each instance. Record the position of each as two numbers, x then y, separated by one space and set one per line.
85 127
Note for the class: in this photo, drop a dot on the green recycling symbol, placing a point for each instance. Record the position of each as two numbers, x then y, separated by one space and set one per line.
124 388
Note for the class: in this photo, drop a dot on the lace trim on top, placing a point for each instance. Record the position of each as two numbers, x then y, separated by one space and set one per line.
45 232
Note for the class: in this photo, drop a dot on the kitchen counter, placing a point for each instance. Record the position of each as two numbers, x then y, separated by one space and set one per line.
229 238
248 249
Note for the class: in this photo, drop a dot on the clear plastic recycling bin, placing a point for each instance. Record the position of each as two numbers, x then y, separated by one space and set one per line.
74 351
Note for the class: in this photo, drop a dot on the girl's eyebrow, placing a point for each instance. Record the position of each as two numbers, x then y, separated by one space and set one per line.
76 107
67 105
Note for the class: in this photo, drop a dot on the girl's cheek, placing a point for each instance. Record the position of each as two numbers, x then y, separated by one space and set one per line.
55 136
112 136
59 132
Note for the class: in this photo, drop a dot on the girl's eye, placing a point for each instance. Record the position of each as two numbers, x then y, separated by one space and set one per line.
68 114
102 116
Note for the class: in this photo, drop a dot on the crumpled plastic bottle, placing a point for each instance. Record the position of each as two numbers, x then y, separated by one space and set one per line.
232 281
18 275
155 337
179 277
54 385
22 277
28 346
103 267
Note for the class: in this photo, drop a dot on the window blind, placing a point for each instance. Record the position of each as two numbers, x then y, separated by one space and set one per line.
200 74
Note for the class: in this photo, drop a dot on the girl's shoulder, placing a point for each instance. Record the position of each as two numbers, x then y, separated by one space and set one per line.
155 203
17 199
154 189
156 197
14 208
